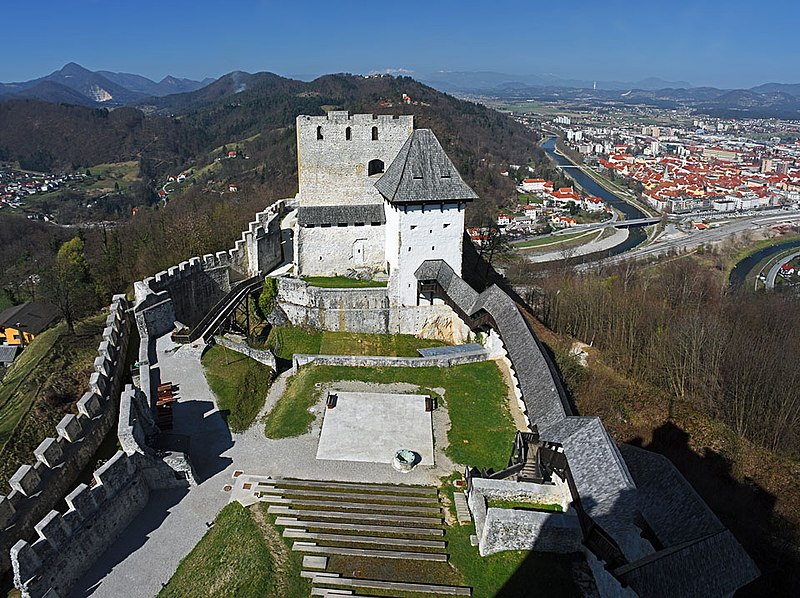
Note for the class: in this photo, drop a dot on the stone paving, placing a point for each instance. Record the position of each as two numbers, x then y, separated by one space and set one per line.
150 549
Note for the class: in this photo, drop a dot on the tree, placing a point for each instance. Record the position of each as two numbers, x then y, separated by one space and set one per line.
269 294
67 283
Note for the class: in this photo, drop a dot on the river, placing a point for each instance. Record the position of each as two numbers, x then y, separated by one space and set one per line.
742 269
629 211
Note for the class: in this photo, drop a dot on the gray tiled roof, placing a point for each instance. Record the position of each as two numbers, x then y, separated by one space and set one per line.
423 172
666 500
701 557
713 565
346 214
33 316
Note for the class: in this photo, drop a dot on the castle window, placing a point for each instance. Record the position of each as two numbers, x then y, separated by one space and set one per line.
374 167
374 133
319 132
433 248
348 134
413 226
445 225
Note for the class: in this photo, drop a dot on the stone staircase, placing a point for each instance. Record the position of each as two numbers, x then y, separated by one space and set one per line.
360 538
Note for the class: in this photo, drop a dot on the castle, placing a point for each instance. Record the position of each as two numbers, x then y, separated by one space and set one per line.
376 197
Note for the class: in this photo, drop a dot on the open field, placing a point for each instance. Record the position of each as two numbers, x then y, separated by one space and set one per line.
554 241
481 430
239 383
285 341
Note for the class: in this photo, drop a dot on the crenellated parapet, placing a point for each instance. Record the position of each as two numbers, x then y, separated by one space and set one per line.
68 543
185 292
58 460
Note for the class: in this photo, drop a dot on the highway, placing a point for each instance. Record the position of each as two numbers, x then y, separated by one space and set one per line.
769 283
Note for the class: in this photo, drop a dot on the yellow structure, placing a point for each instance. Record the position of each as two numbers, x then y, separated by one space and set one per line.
20 324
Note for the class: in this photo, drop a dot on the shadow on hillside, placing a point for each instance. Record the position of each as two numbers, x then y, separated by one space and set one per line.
744 508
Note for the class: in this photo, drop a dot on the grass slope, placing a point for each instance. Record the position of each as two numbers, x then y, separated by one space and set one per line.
241 555
285 341
481 429
42 386
239 383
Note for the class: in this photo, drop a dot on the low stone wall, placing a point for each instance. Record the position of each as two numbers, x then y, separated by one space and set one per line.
262 356
68 544
365 361
500 529
519 529
37 488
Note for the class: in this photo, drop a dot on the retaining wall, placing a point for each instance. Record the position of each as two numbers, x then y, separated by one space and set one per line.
363 361
261 356
58 460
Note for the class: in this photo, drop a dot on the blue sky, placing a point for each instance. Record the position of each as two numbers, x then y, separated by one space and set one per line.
732 44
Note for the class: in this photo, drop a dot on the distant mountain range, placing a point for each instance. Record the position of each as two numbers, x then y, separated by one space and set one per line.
469 81
74 84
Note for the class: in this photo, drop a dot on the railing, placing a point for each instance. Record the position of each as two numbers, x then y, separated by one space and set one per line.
208 326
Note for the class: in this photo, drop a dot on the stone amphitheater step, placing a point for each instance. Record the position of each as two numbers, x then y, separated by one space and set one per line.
462 510
300 534
397 586
370 497
382 517
356 506
311 548
290 482
358 527
329 592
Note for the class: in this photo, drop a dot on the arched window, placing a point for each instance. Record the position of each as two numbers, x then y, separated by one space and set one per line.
374 167
348 134
319 132
374 133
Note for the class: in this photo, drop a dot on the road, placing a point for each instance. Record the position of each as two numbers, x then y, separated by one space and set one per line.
773 272
691 241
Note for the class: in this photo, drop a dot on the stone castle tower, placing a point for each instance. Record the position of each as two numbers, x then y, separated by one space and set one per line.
376 195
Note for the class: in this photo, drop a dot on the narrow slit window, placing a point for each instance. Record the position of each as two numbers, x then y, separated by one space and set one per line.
348 134
319 133
374 133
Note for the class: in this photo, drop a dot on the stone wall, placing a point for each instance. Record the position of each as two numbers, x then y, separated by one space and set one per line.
186 292
36 488
332 169
367 311
261 356
500 529
344 310
333 250
366 361
69 543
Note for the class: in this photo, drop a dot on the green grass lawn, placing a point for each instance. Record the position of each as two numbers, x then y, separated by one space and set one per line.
42 385
553 239
239 383
342 282
481 432
522 504
285 341
241 555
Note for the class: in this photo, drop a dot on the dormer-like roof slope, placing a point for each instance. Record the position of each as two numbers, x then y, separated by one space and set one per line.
422 172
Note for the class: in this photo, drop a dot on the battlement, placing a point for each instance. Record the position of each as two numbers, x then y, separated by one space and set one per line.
57 461
68 541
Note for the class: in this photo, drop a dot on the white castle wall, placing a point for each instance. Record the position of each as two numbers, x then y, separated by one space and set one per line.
332 250
431 232
333 170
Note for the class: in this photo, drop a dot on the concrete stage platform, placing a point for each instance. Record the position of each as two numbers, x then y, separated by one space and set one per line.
371 427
